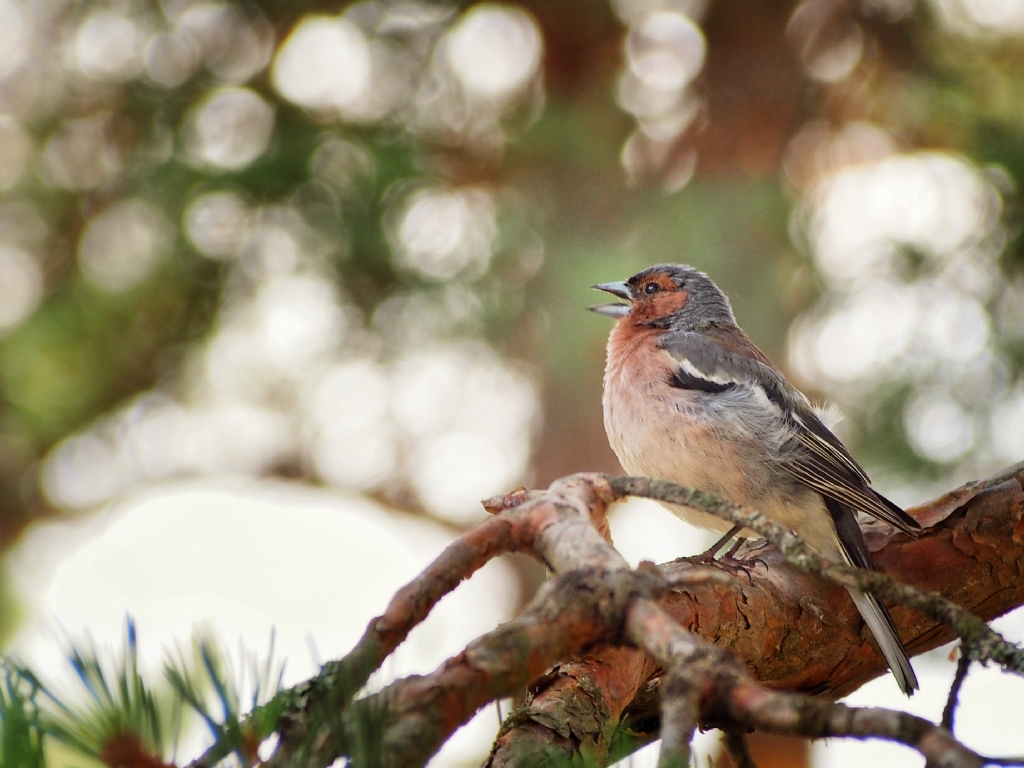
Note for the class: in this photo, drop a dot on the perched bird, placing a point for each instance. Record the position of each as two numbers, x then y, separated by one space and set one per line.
688 398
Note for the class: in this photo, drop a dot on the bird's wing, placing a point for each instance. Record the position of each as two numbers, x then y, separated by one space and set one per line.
724 358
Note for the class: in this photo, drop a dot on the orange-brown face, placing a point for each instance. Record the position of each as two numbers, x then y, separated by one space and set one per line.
656 295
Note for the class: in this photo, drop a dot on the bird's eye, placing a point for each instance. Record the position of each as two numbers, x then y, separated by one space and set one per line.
651 288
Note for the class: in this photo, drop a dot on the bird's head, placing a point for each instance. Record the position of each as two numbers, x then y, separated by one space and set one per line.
670 296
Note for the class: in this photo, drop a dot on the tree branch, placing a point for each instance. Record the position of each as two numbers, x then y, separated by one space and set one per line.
794 621
963 664
730 696
796 631
981 641
738 749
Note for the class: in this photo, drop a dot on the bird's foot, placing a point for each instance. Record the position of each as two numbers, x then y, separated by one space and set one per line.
730 555
710 555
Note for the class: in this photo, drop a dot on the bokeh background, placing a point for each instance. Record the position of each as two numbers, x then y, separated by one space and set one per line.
287 287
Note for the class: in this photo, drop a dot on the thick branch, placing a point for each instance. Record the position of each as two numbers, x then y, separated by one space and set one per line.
795 630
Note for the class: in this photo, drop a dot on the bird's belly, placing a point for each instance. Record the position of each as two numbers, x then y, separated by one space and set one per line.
667 437
695 460
665 441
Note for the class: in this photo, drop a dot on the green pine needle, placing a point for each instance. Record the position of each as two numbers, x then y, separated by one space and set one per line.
21 732
205 681
118 711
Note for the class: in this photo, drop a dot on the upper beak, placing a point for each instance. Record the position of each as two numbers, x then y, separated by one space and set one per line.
622 290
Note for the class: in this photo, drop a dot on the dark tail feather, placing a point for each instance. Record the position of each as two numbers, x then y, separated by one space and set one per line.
875 615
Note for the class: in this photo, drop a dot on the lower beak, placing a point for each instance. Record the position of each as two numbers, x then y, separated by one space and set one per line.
622 290
611 310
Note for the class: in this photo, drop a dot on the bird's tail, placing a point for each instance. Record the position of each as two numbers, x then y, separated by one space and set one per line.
877 617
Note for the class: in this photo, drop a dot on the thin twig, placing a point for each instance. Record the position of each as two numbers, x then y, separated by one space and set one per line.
962 665
735 742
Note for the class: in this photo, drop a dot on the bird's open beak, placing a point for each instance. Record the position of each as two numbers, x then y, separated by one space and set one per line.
622 290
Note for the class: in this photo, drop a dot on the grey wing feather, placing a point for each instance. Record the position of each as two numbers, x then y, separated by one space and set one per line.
819 439
837 482
816 457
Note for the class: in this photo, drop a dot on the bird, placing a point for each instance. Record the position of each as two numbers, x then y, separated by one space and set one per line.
690 399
